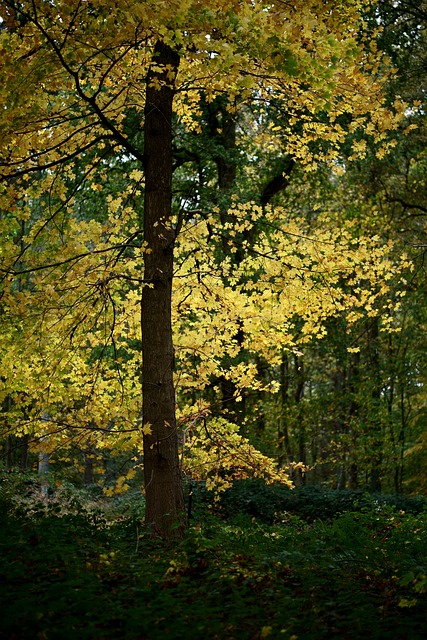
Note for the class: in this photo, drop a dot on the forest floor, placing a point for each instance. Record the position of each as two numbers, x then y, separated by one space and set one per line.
70 571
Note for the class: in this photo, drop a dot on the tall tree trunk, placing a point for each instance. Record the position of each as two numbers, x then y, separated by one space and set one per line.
163 484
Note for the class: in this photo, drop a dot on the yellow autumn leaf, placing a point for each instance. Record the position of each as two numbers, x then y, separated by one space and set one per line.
147 429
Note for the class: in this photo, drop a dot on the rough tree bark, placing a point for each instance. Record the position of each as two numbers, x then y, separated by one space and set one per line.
163 485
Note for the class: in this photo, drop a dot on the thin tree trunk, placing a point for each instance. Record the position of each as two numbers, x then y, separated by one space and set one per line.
375 421
23 446
404 415
222 131
353 419
163 484
43 471
299 395
88 468
284 441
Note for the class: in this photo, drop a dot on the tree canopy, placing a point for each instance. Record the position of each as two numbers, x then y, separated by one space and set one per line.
175 189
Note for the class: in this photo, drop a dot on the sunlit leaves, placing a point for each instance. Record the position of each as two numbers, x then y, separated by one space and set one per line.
215 451
289 282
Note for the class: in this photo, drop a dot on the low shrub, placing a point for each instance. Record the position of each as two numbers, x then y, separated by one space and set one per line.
268 503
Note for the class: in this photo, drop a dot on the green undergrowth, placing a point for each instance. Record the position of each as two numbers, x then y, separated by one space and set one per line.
85 573
312 503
